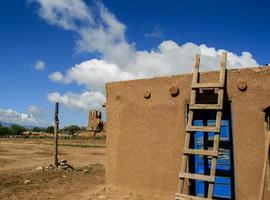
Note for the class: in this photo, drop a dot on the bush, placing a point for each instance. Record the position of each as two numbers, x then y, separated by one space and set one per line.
37 129
49 129
72 129
4 131
16 129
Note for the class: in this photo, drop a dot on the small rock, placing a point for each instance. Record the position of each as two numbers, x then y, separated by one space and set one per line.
39 168
86 171
63 161
64 167
62 164
27 182
64 176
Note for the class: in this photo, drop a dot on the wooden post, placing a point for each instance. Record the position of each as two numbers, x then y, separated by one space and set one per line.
56 125
266 159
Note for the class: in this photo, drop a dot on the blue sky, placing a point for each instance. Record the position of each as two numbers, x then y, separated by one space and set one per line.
80 45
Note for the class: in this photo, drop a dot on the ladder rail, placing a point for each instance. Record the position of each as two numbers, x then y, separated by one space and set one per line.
190 116
184 173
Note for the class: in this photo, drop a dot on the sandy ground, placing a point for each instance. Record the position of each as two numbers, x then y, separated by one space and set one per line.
19 159
20 178
25 154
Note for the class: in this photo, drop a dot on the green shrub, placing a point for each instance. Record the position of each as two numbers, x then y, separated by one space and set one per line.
4 131
16 129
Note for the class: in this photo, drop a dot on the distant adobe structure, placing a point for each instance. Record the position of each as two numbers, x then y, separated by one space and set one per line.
146 122
95 123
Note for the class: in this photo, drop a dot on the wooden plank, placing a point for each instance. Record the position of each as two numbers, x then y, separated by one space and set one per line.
220 98
190 119
197 177
218 120
185 157
205 107
265 164
203 129
213 165
189 197
201 152
223 68
196 69
207 85
183 168
55 135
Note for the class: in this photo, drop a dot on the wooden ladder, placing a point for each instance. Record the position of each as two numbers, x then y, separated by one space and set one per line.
191 129
266 159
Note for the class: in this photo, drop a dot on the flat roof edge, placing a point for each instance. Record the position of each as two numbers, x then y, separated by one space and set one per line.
256 69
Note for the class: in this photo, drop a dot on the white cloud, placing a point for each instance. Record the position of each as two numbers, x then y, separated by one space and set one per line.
56 76
94 73
101 32
84 101
33 109
68 14
168 59
11 116
40 65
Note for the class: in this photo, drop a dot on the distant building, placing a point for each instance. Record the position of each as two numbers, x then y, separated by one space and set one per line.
95 123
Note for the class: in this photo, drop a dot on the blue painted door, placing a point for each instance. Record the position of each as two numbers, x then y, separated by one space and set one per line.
224 175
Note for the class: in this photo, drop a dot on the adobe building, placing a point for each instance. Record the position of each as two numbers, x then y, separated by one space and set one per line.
94 121
146 123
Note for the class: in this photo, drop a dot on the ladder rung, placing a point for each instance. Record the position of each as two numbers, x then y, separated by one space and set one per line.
205 107
207 85
179 196
203 128
197 177
201 152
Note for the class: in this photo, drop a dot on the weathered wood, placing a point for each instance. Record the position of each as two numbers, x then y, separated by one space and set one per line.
213 164
190 118
203 129
266 160
223 68
185 157
197 177
56 126
205 107
179 196
218 121
206 85
220 97
201 152
190 128
196 69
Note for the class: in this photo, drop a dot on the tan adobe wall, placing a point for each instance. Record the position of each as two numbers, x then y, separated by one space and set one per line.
145 137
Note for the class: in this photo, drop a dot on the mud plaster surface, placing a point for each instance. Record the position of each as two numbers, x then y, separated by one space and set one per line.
146 136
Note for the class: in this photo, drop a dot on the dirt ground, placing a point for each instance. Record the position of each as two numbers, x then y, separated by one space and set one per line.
20 178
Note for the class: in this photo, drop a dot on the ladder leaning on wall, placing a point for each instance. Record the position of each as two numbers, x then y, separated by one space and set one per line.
184 173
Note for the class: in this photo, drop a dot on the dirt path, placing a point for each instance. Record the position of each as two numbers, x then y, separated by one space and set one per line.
14 155
19 178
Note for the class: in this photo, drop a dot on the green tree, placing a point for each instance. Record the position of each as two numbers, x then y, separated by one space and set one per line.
4 131
17 129
37 129
71 129
49 129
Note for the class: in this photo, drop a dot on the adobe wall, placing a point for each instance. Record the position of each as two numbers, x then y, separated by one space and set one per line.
145 137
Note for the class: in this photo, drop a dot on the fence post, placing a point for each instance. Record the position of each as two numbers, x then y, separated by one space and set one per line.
56 126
